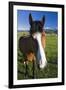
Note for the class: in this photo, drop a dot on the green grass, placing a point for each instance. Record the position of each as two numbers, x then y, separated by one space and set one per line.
51 70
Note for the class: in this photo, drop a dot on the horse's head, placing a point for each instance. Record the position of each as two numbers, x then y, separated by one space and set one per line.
36 26
36 30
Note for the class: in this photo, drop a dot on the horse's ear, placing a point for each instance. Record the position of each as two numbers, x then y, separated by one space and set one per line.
43 20
30 19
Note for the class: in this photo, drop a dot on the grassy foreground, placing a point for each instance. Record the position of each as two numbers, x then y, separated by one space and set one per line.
51 70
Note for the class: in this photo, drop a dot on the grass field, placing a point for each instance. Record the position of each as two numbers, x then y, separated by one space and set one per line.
51 70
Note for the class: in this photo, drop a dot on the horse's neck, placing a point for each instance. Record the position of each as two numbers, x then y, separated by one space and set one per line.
40 45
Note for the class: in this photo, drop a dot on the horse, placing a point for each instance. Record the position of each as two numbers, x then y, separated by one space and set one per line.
33 46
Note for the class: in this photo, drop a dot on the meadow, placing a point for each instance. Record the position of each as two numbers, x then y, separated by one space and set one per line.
51 70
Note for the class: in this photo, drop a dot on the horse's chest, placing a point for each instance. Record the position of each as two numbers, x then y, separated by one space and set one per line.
28 45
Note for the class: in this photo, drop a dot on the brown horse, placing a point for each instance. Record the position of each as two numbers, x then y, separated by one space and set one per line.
33 46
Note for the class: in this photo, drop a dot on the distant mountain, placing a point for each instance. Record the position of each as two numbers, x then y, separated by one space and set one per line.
51 31
48 31
23 30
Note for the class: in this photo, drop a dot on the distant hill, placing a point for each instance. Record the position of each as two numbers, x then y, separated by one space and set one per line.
48 31
51 31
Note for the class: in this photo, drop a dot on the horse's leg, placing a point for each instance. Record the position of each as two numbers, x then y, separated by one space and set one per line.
26 69
33 69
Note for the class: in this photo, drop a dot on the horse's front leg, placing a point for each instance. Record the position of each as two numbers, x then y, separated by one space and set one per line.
33 69
26 69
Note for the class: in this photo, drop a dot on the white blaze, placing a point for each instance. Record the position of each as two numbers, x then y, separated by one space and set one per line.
41 54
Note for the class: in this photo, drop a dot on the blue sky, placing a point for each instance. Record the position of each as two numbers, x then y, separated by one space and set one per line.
51 19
